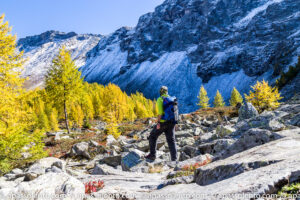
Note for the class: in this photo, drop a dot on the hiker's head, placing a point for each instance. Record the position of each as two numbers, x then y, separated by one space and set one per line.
163 90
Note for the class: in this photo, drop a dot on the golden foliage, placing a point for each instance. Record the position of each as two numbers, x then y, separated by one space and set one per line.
203 98
264 97
218 100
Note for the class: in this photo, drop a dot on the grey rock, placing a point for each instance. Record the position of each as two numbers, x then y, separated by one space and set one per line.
183 156
144 145
17 171
247 111
216 146
59 164
110 140
103 169
191 161
295 121
101 125
189 150
112 160
207 123
223 131
267 120
198 131
249 139
206 137
176 181
93 143
256 161
185 133
131 159
80 149
54 169
186 141
49 184
29 176
41 165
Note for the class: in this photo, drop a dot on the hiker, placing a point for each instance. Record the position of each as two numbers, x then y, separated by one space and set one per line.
166 122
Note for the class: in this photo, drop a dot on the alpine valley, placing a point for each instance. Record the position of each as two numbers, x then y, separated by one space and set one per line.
183 44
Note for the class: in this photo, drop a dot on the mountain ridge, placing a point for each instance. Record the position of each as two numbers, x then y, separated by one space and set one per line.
183 44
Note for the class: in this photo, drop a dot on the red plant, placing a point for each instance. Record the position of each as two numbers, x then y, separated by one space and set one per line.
93 186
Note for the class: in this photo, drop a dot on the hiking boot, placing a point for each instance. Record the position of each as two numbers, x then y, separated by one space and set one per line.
150 157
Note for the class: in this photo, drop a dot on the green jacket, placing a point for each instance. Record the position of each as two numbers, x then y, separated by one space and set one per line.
159 104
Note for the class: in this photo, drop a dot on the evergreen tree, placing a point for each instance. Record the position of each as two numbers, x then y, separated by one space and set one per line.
203 98
264 97
218 100
235 98
64 83
16 118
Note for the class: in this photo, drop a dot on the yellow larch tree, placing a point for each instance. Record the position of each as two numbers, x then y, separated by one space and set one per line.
16 118
218 100
203 98
263 96
64 84
235 98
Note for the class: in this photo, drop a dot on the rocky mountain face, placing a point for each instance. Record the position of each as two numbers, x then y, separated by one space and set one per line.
186 43
40 50
220 155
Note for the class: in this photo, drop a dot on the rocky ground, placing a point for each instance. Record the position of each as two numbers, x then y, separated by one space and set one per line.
219 154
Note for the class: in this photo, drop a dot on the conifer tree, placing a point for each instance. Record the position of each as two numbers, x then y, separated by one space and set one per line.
42 119
235 98
53 123
263 96
64 83
203 98
112 126
218 100
16 119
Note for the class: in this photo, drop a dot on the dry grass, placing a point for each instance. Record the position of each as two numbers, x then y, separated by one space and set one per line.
128 127
228 111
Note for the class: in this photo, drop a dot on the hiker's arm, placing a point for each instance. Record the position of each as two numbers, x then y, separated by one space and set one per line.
158 119
160 111
158 122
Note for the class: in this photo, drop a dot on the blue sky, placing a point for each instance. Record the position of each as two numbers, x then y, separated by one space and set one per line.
31 17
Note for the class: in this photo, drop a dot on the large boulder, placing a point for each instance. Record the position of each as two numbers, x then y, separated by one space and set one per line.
47 186
80 149
216 146
271 163
113 160
103 169
40 167
247 111
131 159
267 120
249 139
191 161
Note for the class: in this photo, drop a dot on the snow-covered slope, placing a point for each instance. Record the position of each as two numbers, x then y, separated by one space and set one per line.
41 49
186 43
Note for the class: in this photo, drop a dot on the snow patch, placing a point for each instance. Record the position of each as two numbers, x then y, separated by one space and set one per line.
244 21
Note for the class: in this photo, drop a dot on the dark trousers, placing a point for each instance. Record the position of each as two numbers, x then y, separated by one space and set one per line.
169 130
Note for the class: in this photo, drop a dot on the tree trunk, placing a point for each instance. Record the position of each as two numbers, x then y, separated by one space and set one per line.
66 117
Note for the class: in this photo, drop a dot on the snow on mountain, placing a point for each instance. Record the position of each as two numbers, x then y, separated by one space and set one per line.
41 49
183 44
